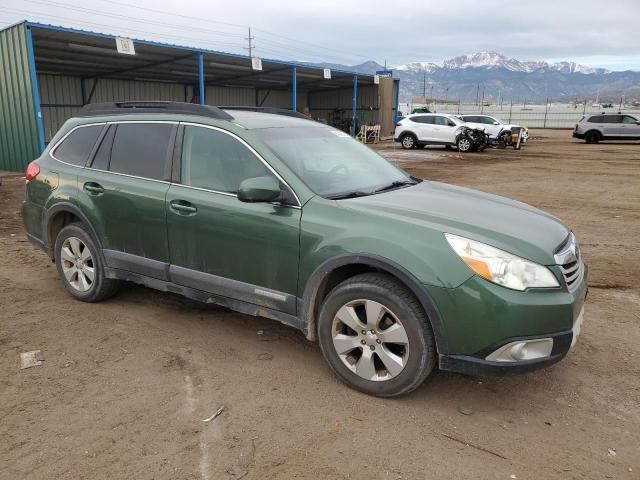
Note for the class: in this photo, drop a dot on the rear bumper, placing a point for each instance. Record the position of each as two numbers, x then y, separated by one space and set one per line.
578 135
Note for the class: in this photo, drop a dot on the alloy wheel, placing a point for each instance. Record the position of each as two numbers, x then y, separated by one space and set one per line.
464 144
408 141
77 264
370 340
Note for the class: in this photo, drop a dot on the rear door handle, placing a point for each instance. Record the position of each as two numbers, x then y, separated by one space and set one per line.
93 188
182 206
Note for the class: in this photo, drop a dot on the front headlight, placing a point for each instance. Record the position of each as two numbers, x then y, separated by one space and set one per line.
501 267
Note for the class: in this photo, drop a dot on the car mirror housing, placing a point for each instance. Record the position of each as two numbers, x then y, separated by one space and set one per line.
496 123
259 189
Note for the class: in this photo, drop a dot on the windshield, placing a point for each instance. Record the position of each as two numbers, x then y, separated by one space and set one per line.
330 162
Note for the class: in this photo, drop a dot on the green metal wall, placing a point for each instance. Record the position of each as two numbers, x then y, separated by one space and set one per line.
18 126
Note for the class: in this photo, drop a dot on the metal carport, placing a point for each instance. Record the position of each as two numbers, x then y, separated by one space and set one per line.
49 72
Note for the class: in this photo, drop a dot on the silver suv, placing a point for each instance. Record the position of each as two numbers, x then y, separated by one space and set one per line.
607 126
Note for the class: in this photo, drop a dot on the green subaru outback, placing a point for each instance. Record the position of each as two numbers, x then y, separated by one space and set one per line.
289 219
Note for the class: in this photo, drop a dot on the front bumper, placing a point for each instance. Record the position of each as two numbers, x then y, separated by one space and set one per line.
474 366
480 317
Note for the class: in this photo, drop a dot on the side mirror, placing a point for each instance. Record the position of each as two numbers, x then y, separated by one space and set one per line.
259 189
496 123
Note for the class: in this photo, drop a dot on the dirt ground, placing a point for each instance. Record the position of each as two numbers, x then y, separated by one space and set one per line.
126 383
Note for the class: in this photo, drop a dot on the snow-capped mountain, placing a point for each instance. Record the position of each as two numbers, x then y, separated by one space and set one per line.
499 77
497 60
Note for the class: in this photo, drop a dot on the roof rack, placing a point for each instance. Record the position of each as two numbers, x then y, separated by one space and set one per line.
119 108
273 110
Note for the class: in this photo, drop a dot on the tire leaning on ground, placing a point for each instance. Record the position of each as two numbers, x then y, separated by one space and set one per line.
464 144
80 265
375 336
592 137
408 141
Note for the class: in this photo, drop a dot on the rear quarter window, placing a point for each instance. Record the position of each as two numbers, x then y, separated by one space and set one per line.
75 149
596 119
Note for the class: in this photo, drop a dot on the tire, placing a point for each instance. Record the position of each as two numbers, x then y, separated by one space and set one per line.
464 144
408 141
76 256
363 366
592 137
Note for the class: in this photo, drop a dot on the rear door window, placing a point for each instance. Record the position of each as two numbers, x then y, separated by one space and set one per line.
423 119
442 121
75 149
142 149
612 119
596 119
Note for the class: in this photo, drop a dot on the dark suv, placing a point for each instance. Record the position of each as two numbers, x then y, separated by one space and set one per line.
292 220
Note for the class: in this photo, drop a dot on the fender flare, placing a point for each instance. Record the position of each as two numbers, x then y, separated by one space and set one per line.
308 302
70 208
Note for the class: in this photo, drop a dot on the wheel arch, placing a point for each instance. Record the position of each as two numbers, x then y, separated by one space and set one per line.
338 269
57 217
593 130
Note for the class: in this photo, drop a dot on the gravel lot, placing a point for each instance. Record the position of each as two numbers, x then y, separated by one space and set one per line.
125 384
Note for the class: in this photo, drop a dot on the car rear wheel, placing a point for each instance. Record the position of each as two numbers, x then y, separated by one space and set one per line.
80 265
408 141
592 137
375 336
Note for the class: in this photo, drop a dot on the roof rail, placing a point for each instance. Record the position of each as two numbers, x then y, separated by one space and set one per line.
119 108
273 110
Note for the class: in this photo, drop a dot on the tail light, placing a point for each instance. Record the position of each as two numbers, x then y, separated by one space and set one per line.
33 170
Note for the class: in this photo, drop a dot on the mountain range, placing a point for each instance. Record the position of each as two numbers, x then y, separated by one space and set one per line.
466 77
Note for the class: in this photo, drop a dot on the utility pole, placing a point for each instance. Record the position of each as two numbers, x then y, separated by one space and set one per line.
251 46
424 84
431 97
477 93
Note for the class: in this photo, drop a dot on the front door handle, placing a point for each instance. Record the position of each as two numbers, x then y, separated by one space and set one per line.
182 206
93 188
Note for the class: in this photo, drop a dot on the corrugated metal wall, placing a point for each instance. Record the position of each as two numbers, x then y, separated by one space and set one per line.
18 127
64 95
324 104
61 96
230 96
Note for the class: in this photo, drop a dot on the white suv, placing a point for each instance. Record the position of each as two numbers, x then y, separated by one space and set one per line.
491 125
418 130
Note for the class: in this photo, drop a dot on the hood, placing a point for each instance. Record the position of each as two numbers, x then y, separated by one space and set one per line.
512 226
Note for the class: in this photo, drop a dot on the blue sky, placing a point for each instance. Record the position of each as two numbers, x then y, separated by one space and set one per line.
347 32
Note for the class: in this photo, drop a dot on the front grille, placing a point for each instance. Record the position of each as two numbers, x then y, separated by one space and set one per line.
569 260
572 272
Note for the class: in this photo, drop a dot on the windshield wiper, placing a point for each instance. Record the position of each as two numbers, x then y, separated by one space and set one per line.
354 194
396 184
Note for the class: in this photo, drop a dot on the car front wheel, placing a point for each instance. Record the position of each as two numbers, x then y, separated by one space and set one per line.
375 336
464 144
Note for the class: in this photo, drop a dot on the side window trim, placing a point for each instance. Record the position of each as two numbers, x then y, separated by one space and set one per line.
176 173
97 146
59 142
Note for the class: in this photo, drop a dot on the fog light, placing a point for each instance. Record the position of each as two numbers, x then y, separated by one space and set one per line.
523 350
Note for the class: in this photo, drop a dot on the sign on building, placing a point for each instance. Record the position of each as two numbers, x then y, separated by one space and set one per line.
327 74
385 73
256 63
376 79
125 46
